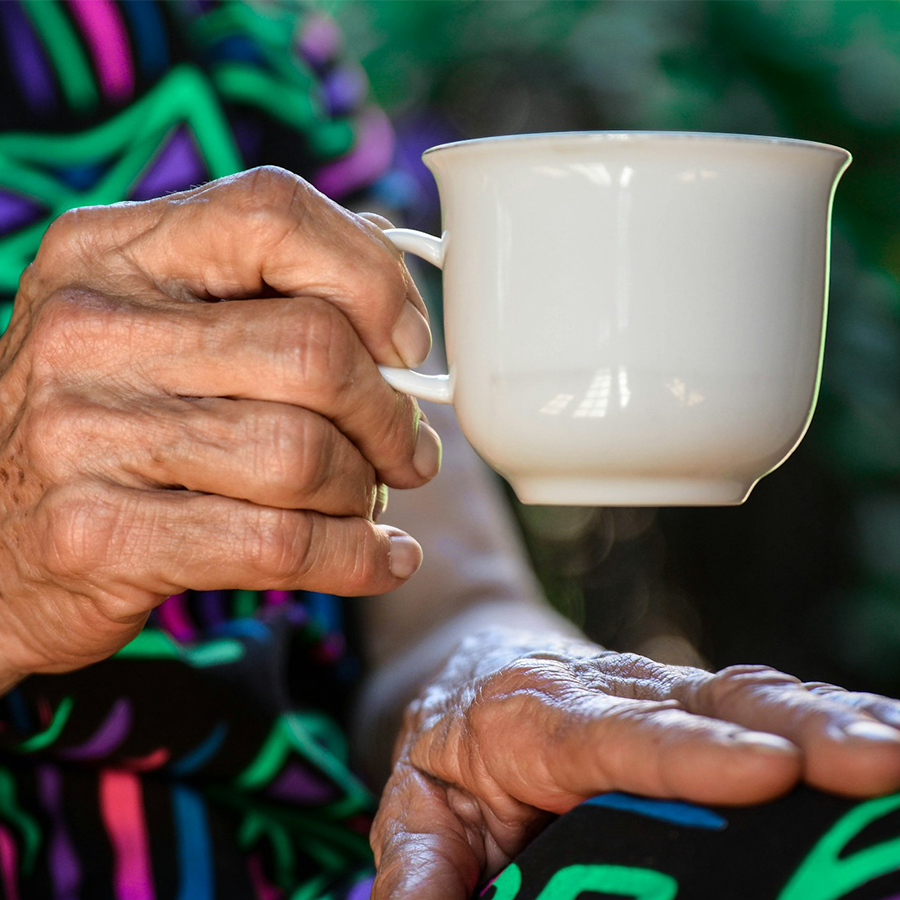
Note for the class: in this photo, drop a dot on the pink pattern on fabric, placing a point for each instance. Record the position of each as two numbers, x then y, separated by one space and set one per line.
264 889
122 808
9 863
45 712
320 40
173 617
154 760
105 34
366 162
277 598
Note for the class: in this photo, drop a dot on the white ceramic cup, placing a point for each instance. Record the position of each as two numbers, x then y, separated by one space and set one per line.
631 318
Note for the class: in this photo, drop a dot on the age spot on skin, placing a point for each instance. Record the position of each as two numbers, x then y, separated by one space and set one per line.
4 476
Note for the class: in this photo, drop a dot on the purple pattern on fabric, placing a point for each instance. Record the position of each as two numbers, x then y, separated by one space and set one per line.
332 648
277 598
65 870
176 167
175 618
414 135
297 614
297 785
344 89
248 137
362 890
319 41
211 607
34 75
111 733
365 162
17 211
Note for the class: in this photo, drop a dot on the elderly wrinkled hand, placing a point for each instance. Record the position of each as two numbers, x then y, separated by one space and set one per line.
506 736
155 440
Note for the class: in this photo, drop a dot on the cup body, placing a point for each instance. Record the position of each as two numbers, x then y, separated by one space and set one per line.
635 318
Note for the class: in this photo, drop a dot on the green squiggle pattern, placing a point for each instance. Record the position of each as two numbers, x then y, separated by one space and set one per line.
25 824
571 881
824 875
627 881
129 141
49 735
508 883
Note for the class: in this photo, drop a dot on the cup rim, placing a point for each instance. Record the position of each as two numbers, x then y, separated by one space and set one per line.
630 136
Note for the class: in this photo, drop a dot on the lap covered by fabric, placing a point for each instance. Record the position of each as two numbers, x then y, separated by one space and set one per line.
805 846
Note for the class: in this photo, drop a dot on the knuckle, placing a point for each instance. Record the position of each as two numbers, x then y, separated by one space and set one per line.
54 430
269 183
67 323
78 530
307 460
282 544
60 238
525 679
323 349
66 241
271 201
299 453
391 282
734 682
399 427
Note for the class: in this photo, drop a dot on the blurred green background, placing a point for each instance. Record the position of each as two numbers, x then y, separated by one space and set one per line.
806 575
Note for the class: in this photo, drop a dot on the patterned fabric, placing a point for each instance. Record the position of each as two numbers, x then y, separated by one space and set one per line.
805 846
206 759
106 101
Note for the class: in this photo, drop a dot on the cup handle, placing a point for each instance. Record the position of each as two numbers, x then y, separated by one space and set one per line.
436 388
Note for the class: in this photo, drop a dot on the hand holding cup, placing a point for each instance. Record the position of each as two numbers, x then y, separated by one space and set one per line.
155 439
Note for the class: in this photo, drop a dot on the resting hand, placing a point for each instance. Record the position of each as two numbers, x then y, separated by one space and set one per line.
153 440
504 738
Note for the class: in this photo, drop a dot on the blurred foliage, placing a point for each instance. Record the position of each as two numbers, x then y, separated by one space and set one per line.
807 574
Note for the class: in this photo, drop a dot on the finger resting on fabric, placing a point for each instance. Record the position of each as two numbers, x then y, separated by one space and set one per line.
884 709
661 750
600 743
847 747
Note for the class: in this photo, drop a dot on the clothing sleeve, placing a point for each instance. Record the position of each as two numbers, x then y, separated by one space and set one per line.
109 101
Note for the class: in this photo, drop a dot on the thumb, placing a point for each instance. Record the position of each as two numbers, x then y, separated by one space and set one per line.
422 849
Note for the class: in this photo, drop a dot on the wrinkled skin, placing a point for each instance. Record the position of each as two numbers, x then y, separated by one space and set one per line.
152 440
506 736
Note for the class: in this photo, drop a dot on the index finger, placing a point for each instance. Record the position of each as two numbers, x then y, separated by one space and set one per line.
258 233
848 747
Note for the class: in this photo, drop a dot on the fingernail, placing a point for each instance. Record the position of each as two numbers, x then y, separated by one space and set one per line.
872 731
427 456
411 336
759 740
406 556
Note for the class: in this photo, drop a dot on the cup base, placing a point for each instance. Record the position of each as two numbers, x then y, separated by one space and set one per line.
561 491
